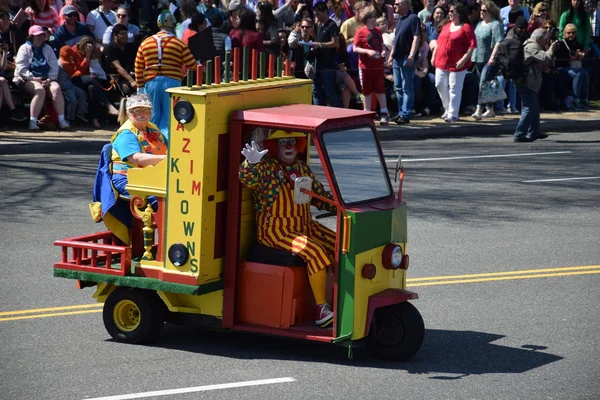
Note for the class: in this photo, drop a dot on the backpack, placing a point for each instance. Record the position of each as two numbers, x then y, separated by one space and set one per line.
511 59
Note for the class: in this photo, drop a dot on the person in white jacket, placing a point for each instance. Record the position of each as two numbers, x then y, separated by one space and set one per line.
36 72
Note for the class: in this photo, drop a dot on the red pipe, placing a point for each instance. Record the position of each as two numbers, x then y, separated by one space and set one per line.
236 64
199 74
254 62
271 65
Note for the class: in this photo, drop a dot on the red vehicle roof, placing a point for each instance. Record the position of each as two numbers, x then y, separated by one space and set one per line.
304 117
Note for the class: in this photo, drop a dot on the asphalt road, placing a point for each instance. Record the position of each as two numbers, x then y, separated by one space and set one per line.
522 323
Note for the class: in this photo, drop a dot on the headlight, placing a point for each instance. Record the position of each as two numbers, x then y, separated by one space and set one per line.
392 256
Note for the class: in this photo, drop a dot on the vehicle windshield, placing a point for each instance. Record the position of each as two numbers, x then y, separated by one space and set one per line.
357 166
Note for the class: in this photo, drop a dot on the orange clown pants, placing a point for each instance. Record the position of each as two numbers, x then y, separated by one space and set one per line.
289 226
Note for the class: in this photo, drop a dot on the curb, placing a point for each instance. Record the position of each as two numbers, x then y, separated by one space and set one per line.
477 128
21 145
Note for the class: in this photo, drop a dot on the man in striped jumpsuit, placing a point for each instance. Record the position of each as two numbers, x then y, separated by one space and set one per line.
159 66
280 222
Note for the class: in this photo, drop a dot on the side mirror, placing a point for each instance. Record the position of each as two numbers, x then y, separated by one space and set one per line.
303 182
398 168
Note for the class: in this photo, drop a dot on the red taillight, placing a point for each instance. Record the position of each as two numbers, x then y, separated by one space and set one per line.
368 271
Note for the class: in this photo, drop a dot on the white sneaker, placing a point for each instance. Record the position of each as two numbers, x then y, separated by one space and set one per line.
33 126
64 125
477 114
489 114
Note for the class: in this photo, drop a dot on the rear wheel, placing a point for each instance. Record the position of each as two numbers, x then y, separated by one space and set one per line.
133 316
396 332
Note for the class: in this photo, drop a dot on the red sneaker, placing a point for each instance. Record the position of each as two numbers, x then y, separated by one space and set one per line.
324 315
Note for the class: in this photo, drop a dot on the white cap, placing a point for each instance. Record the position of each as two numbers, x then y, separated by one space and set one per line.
138 100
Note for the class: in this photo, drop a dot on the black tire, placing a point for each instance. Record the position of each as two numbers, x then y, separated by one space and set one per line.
133 316
396 332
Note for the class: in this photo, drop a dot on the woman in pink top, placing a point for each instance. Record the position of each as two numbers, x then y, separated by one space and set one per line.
42 14
451 59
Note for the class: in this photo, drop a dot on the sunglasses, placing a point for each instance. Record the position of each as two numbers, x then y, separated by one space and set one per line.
121 15
483 11
570 33
72 15
544 10
285 142
450 11
305 26
396 4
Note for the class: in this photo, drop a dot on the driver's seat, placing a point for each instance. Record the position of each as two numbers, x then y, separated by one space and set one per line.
271 255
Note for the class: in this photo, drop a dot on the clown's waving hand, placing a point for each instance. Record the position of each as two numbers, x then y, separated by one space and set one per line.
281 223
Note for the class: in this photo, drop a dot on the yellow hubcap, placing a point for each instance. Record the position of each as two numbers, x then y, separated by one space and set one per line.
126 315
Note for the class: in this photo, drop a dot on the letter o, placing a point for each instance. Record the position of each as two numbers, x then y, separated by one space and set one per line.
184 207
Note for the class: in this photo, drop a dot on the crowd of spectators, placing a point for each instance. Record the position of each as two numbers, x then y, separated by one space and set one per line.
403 58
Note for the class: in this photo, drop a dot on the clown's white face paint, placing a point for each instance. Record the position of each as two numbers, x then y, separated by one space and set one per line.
286 153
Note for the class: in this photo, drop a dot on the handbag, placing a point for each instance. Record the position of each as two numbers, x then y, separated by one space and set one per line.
310 70
574 64
491 92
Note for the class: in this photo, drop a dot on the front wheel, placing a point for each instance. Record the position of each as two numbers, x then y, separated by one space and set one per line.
133 316
396 332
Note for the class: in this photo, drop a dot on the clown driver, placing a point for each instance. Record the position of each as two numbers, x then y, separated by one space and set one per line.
281 223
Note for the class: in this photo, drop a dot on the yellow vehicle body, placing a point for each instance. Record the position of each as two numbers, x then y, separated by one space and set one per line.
193 177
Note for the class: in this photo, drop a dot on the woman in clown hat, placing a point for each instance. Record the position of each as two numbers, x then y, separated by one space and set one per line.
280 222
138 142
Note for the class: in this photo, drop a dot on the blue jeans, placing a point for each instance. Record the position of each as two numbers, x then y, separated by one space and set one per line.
529 124
161 101
403 83
581 81
324 88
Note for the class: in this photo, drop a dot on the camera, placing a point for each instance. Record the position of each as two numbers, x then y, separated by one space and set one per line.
553 34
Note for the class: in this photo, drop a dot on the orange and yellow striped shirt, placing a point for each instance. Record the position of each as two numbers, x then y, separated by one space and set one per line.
175 54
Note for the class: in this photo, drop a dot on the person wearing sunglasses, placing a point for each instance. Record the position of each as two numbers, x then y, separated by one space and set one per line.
452 58
568 62
123 19
75 4
71 31
137 143
281 223
540 14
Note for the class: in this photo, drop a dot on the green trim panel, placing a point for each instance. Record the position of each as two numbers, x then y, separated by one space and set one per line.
375 230
140 282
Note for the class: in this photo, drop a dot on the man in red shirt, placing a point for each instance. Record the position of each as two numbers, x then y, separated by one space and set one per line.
368 43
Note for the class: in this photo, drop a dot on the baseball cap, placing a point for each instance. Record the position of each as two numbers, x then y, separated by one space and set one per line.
165 20
36 30
234 5
69 10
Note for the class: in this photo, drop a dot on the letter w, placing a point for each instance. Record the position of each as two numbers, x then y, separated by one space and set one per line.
188 228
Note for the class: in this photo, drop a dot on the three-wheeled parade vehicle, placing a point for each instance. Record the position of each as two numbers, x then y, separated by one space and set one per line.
194 259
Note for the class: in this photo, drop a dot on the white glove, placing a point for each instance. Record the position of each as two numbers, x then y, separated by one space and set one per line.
252 154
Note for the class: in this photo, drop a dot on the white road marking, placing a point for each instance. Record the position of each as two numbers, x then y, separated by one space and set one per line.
562 179
195 389
389 161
